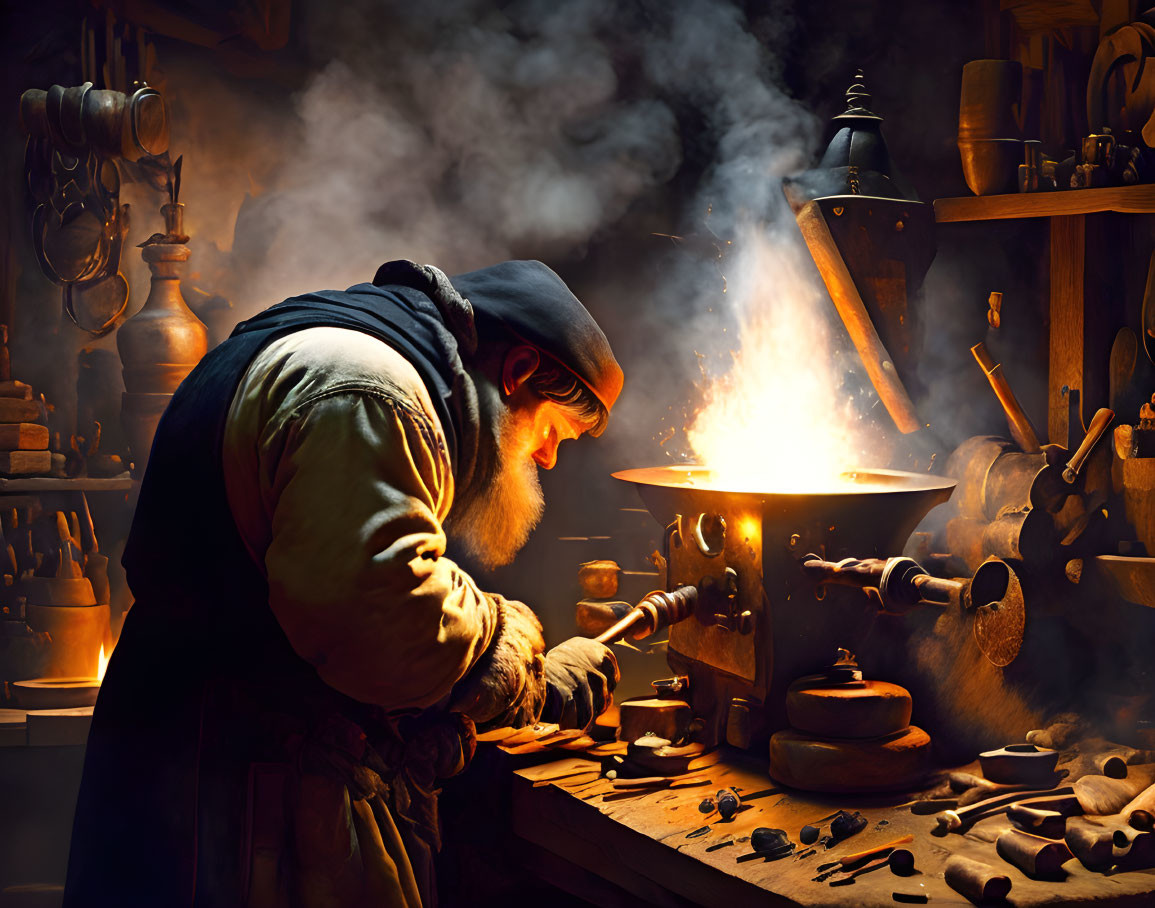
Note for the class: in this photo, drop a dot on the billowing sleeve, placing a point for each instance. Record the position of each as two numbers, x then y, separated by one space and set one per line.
358 577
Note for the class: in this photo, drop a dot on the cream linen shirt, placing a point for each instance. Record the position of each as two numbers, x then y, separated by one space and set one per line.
339 479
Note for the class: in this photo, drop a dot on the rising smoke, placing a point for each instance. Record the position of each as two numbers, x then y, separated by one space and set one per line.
466 134
461 137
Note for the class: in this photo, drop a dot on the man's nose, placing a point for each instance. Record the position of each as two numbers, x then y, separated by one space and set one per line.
546 454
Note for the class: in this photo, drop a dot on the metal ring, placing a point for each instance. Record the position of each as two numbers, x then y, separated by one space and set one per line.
698 533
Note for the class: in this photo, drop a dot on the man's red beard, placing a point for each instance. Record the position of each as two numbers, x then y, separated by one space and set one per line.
494 523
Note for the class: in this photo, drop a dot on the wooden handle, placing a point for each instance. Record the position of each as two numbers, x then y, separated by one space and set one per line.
953 820
878 362
871 852
1004 799
1099 424
1020 424
657 610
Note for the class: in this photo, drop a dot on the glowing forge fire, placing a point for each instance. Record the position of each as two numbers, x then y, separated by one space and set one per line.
101 664
777 421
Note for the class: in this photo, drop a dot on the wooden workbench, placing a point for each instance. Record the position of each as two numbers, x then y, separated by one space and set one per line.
639 846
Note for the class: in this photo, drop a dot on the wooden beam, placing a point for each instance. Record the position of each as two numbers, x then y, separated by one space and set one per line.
1122 199
1068 244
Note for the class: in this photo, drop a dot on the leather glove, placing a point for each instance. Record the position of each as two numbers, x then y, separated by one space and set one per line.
580 676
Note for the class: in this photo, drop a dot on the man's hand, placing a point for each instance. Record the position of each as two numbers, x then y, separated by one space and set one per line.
580 675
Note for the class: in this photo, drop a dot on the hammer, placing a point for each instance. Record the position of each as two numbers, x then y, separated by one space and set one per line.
656 610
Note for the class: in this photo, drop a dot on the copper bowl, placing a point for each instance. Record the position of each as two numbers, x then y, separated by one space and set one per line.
869 511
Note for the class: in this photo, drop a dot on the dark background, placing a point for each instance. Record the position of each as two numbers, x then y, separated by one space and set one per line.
308 151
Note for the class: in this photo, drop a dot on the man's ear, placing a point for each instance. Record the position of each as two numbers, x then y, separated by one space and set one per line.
520 363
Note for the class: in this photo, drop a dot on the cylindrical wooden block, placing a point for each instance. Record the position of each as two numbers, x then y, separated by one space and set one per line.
665 718
890 763
977 881
869 709
599 579
1032 854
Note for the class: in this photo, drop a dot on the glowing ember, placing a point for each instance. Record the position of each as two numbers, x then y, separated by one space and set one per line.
777 420
101 664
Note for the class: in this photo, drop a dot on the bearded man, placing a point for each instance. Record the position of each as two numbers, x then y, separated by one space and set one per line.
302 662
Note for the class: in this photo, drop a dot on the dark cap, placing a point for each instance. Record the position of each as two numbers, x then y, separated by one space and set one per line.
532 302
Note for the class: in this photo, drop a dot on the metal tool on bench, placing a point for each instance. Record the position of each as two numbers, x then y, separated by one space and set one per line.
657 610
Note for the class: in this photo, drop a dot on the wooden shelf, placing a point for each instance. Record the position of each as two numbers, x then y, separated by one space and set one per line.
1122 199
56 484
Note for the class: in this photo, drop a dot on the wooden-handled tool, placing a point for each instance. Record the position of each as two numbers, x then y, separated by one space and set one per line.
656 610
1091 795
954 820
1017 420
1099 423
860 856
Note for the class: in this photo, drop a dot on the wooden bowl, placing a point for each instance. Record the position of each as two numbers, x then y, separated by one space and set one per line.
1020 764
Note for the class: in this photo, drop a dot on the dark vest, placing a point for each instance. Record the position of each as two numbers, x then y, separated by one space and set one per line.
202 679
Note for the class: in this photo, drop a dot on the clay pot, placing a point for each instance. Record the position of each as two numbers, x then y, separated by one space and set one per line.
58 592
991 166
989 125
164 331
155 378
78 632
139 415
159 345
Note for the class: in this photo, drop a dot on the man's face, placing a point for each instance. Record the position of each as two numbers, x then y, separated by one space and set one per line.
495 524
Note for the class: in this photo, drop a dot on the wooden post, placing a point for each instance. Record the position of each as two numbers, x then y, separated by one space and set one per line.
1068 247
1085 278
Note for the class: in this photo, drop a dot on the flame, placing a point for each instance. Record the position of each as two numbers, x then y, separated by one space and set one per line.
777 420
101 664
